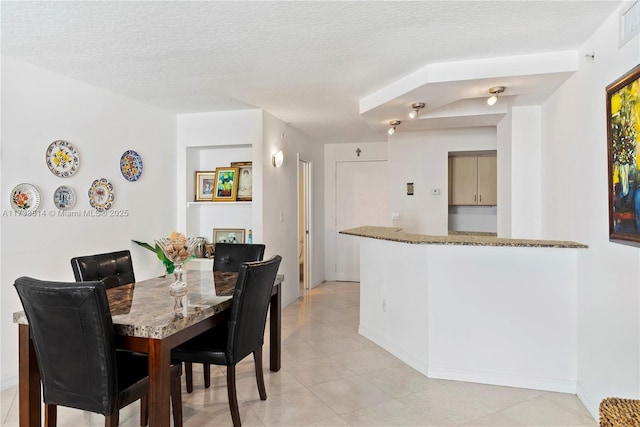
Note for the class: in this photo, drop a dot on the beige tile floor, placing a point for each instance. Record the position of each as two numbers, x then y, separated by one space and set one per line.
332 376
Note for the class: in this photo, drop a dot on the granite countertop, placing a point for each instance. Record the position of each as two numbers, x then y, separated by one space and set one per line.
395 234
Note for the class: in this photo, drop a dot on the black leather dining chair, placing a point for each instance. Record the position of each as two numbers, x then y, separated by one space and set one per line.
113 268
72 332
227 257
242 335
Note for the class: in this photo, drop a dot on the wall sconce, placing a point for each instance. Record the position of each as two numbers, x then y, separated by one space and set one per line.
393 124
416 107
277 159
494 91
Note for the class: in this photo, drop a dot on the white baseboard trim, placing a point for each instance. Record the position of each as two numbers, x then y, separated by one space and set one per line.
592 405
394 349
501 379
493 378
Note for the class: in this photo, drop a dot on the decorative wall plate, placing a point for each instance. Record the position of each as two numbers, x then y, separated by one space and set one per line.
64 197
101 195
62 159
131 165
25 198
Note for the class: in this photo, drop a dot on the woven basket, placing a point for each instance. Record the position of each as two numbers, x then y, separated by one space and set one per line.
615 412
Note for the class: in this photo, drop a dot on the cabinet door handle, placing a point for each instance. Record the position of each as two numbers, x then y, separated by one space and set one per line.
475 196
480 198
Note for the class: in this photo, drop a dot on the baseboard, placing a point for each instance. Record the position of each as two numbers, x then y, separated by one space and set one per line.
394 349
501 379
592 405
493 378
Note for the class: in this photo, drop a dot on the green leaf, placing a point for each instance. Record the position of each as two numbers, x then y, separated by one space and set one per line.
144 245
168 265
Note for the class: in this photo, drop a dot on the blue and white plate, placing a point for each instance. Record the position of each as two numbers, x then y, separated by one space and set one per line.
64 197
131 165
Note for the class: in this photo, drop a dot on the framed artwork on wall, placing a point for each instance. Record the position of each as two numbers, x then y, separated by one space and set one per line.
623 133
228 235
205 183
226 185
245 180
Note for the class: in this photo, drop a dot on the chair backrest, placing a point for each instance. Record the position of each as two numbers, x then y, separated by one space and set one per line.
113 268
249 308
73 336
230 256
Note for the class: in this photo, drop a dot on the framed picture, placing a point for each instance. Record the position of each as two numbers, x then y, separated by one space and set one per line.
228 235
226 185
623 128
245 179
205 183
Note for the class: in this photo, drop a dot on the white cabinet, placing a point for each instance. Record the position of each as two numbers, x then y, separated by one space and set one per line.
473 180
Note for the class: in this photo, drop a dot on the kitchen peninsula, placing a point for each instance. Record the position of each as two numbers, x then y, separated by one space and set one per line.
472 307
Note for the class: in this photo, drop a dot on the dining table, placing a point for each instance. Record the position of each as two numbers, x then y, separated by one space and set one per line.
146 319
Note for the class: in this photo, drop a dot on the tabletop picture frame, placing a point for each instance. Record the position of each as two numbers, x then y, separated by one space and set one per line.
245 181
623 112
205 184
226 184
228 235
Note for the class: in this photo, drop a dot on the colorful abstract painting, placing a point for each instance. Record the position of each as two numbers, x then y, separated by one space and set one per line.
623 131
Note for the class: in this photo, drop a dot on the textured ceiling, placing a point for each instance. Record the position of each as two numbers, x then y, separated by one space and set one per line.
308 63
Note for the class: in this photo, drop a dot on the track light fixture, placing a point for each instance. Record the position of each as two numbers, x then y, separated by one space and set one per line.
415 109
393 124
494 91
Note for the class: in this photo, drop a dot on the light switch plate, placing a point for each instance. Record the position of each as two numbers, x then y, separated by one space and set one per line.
409 188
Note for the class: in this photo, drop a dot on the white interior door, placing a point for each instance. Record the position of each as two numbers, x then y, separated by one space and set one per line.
362 198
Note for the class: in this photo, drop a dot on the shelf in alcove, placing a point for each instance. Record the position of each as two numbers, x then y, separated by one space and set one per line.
217 204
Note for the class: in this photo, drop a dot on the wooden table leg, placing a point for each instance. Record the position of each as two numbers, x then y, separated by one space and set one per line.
159 383
28 380
275 332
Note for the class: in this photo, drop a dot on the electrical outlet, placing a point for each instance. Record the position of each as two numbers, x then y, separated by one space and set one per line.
395 215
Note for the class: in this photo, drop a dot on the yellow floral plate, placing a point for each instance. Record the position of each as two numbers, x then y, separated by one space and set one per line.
62 159
25 198
101 195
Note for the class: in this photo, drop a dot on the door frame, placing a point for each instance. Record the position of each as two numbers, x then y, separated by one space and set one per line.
307 237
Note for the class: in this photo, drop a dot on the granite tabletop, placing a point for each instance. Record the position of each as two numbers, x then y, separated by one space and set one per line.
395 234
145 309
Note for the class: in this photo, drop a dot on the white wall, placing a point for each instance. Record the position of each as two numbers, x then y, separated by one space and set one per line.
575 206
209 140
474 313
212 139
525 172
422 158
503 210
39 107
281 201
334 153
